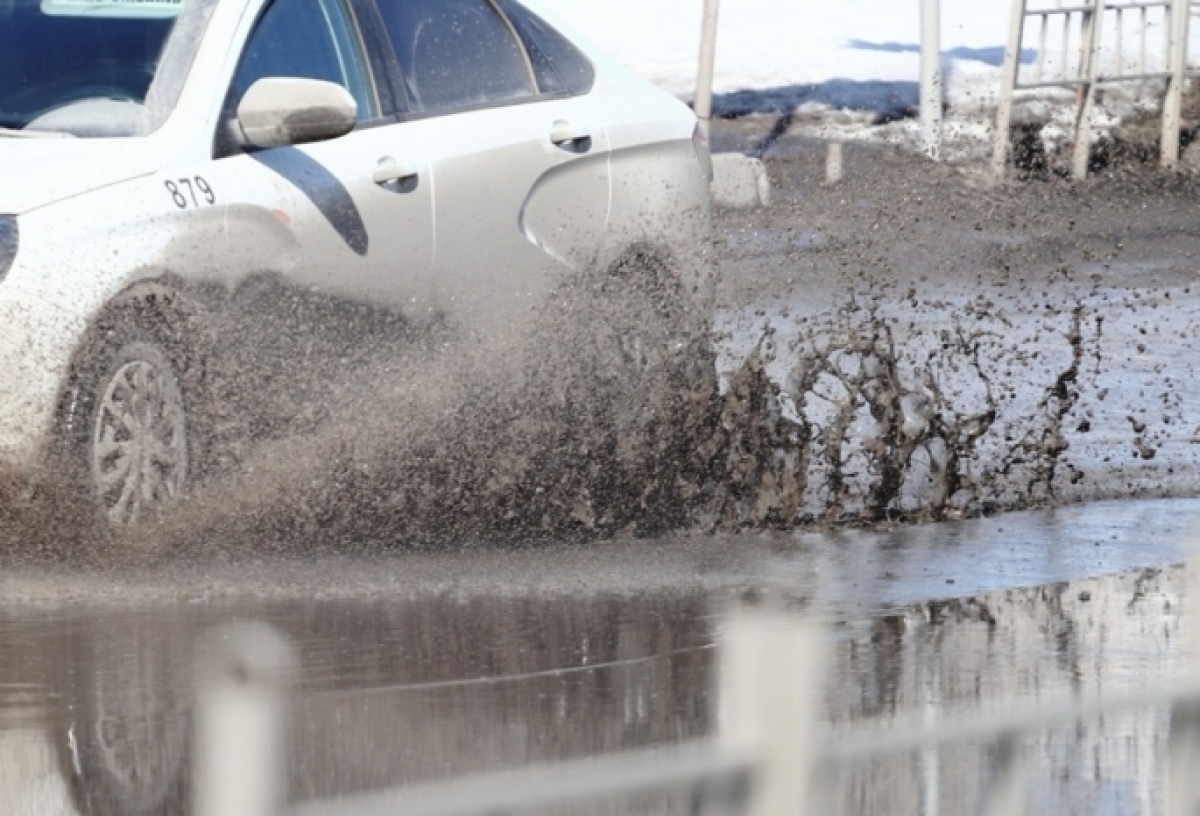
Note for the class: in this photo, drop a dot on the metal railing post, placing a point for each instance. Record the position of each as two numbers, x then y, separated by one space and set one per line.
702 105
1002 146
931 78
1093 20
1007 795
1183 781
770 667
1183 792
1176 67
240 724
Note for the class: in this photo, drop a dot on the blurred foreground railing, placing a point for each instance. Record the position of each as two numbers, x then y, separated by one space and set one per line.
769 758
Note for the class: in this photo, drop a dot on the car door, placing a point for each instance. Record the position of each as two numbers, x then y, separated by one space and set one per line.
357 210
519 165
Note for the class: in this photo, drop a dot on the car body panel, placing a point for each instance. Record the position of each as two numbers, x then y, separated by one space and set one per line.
351 237
499 214
502 193
36 170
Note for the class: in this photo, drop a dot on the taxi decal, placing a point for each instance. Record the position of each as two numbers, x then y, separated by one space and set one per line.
323 189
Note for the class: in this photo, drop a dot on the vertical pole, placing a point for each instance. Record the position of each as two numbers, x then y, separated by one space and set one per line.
1041 58
239 754
1007 794
1176 66
1142 51
770 667
1064 60
1120 50
931 78
1002 146
1089 37
1183 783
708 57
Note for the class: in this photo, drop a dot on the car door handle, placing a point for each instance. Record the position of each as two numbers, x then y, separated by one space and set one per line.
565 134
391 170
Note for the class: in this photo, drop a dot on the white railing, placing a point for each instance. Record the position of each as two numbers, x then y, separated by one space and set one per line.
708 775
1069 35
768 758
749 767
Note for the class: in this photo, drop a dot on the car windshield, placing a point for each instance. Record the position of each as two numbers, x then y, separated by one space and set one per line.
94 68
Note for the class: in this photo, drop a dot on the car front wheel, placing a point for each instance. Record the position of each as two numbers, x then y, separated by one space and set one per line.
138 445
126 438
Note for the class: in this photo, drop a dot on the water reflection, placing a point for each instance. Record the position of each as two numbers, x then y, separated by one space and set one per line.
95 699
1004 650
386 693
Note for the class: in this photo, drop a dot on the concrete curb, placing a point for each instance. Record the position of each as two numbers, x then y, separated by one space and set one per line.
740 182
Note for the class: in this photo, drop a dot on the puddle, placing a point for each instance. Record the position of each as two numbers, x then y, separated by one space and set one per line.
420 667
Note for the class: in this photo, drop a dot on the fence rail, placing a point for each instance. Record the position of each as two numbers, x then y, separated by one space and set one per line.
708 773
769 758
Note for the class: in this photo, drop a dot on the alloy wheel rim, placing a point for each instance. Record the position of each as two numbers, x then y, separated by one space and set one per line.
139 445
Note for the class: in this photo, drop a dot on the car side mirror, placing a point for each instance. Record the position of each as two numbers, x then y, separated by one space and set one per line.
282 111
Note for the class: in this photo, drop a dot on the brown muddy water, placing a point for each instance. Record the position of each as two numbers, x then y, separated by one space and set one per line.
414 667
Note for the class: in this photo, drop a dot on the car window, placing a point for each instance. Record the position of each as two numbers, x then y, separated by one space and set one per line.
307 39
559 66
456 54
95 68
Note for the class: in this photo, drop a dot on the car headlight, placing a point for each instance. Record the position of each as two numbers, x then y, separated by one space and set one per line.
10 236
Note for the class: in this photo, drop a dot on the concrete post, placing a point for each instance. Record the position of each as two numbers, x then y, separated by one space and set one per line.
1177 66
702 104
1001 145
240 707
771 671
834 164
931 78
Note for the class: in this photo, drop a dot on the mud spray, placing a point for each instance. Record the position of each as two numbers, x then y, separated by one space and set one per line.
603 425
873 396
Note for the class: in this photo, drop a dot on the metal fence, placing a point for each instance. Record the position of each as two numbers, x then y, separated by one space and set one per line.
769 757
1068 36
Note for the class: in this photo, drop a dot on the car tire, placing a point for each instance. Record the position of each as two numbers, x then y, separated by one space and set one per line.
128 430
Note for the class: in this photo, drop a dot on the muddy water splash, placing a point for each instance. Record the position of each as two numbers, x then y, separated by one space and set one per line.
575 434
471 449
586 427
886 362
879 420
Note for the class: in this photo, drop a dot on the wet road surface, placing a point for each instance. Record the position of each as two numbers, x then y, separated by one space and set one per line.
418 666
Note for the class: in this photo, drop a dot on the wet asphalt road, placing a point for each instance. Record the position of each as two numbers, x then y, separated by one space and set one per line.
982 349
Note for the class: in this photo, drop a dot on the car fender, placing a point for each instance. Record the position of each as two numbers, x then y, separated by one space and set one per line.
660 199
80 255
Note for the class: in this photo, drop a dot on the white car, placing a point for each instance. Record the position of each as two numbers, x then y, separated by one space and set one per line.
431 158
